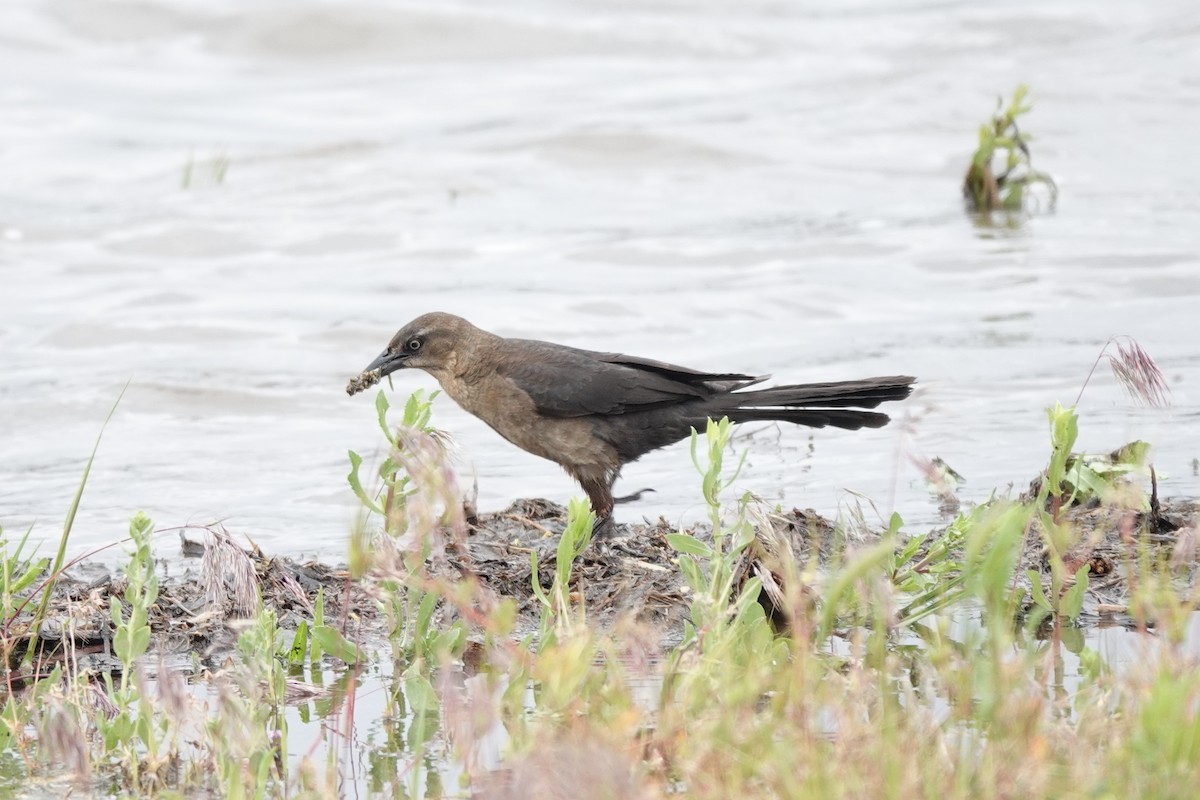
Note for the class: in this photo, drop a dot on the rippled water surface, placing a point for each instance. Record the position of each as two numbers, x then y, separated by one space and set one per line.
235 204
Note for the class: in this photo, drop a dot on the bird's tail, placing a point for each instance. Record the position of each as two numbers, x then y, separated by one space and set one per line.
817 405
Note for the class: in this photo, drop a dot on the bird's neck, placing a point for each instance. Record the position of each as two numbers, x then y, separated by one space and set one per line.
471 360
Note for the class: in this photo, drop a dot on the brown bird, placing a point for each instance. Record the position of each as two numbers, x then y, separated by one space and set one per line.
593 412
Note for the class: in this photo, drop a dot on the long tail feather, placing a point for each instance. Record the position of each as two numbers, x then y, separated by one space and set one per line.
818 405
850 420
866 393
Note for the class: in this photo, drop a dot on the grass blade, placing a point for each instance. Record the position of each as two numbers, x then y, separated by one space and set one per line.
48 589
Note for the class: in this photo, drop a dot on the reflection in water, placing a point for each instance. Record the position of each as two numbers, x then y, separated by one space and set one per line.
373 735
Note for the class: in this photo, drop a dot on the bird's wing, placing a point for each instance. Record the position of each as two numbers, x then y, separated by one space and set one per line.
569 382
721 381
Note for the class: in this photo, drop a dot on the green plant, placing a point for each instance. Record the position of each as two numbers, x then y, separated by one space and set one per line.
928 568
397 484
247 734
710 569
134 730
60 555
208 172
17 573
984 189
575 538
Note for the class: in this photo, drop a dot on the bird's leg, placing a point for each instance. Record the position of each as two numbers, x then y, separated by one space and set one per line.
599 492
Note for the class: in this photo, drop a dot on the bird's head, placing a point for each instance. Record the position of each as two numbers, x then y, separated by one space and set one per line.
430 342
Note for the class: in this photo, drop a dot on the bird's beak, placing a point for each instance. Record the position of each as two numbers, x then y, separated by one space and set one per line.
388 362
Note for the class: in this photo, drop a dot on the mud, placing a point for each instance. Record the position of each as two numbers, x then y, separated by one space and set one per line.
363 381
200 612
633 575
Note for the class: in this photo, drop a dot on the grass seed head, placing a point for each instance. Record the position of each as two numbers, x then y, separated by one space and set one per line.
228 571
1136 371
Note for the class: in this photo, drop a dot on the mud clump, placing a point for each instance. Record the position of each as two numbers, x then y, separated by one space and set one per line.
363 381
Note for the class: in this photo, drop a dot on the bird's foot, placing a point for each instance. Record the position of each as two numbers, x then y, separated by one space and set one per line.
604 529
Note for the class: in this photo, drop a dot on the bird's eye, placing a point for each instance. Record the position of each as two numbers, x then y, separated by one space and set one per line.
414 345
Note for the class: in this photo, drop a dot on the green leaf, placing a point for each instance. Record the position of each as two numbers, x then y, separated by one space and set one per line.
692 444
356 484
747 599
299 647
381 409
537 583
131 643
1036 592
1134 454
741 459
425 614
1087 482
744 536
942 595
150 591
866 562
691 573
29 575
686 543
1072 602
1064 430
140 527
1073 641
419 692
1014 197
447 642
14 562
144 732
912 546
581 521
995 569
332 642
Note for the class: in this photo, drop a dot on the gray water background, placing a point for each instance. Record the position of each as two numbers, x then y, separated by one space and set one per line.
234 205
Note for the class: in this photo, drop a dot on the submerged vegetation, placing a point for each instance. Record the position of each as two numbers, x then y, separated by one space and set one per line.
765 654
1009 188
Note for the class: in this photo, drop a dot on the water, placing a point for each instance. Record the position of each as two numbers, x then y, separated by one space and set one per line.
235 205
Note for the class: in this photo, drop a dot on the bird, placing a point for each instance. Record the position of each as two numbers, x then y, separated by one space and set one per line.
594 412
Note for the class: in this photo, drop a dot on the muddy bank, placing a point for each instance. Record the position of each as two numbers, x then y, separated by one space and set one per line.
198 612
634 575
